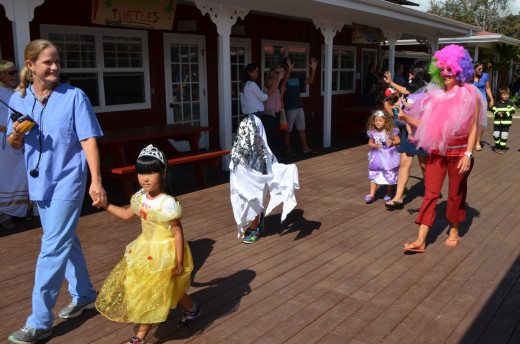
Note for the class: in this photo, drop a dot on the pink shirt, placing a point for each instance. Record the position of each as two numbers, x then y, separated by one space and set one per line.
273 104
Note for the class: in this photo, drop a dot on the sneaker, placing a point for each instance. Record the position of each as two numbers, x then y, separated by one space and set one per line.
502 151
74 309
251 238
136 340
6 221
29 335
188 317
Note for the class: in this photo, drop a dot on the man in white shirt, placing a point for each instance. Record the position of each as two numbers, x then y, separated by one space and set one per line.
14 194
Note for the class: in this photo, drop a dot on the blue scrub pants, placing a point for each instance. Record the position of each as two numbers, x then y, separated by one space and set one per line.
60 257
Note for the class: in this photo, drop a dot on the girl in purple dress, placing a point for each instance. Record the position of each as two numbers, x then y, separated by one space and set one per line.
383 157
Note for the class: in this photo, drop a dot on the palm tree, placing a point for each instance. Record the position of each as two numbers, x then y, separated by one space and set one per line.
504 54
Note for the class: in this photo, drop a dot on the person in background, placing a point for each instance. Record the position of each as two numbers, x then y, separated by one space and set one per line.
481 81
372 77
14 194
293 104
399 78
503 111
272 106
58 149
407 149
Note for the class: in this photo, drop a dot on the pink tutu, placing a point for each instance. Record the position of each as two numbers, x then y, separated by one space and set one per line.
442 115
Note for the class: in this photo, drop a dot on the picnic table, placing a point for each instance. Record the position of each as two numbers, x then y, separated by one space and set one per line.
116 144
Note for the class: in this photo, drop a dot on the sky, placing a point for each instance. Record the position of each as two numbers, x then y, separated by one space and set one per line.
425 5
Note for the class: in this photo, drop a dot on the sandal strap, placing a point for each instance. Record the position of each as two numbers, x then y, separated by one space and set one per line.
136 340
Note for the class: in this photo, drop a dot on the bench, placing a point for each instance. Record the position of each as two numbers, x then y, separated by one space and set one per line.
127 174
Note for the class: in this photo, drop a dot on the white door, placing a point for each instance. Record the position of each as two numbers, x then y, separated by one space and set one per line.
240 57
185 83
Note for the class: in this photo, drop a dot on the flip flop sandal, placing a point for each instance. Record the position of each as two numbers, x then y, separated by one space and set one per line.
413 248
452 242
394 205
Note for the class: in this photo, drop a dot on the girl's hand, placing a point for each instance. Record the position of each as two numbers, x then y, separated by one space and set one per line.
314 63
464 165
289 63
179 269
376 145
281 75
388 77
389 143
410 137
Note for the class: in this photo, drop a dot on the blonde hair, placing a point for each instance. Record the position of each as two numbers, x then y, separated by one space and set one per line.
271 75
31 53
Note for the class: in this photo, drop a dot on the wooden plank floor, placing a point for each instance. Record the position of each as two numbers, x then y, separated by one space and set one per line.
333 272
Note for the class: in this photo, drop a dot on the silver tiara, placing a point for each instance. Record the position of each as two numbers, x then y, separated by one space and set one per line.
150 150
377 113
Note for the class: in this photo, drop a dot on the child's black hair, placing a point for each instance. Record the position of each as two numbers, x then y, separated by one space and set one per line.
148 164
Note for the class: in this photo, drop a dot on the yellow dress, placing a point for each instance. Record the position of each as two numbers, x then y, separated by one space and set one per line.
141 288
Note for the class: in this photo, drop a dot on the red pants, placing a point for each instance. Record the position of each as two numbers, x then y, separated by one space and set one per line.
436 167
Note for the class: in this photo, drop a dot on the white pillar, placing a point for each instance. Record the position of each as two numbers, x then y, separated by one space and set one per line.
392 38
494 86
475 55
20 12
433 41
224 18
328 30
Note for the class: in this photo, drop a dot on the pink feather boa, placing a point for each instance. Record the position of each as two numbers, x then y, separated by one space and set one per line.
443 115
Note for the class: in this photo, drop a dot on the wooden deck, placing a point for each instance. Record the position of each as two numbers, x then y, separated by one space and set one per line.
333 272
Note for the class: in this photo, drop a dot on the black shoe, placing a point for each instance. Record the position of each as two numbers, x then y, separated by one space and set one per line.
188 317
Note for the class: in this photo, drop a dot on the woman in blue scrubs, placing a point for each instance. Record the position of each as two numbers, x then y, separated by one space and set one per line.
58 149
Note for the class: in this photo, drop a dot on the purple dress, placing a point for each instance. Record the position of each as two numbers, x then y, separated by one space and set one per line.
383 163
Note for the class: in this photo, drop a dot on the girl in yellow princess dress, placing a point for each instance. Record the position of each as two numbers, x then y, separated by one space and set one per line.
155 271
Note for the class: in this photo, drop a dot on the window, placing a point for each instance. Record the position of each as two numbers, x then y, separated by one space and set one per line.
240 56
273 53
109 65
343 70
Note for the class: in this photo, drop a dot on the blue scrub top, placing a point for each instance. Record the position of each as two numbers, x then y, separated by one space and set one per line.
481 84
65 120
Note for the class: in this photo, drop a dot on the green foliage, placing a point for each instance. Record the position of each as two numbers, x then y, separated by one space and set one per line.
505 53
511 26
501 63
488 14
